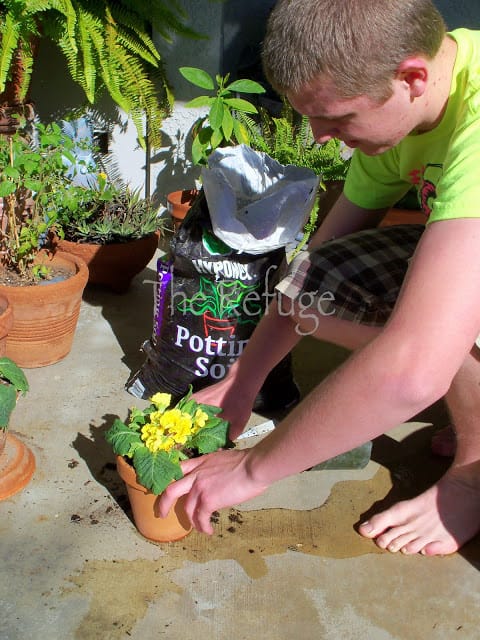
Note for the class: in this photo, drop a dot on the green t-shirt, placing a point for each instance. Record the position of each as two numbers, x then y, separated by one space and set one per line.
442 164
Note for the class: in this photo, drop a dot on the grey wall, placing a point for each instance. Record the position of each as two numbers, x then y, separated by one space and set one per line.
460 13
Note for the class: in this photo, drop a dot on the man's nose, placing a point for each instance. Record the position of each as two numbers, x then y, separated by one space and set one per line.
323 131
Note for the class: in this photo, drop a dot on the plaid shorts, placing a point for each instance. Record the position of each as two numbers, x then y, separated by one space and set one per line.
356 277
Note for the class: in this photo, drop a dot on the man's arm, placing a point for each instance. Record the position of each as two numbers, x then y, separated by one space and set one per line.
344 218
408 366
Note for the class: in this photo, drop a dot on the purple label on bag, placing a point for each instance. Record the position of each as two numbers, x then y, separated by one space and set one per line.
164 277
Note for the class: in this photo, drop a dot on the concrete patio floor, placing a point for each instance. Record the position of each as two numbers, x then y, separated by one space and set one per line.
286 565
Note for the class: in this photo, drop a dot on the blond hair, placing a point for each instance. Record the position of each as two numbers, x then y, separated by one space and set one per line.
359 44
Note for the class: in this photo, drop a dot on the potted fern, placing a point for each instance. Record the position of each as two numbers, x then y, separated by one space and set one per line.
107 46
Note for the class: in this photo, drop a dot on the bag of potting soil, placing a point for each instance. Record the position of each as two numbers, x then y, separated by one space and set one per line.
209 298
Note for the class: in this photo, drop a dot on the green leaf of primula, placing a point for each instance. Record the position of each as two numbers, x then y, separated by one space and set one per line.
210 409
246 86
8 401
216 114
211 439
198 77
12 372
122 438
155 471
241 105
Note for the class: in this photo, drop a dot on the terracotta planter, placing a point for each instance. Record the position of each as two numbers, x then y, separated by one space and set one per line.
113 265
178 205
6 321
45 316
174 527
403 216
17 465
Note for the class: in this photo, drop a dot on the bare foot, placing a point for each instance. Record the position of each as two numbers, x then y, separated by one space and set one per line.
444 442
437 522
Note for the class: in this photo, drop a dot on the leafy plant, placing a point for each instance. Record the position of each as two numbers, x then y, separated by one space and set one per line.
107 45
157 438
220 126
32 182
223 299
12 383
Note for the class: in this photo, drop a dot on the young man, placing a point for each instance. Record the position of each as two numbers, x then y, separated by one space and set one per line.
383 76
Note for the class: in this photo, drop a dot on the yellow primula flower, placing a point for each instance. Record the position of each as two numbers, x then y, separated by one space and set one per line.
155 440
199 420
161 400
155 418
182 429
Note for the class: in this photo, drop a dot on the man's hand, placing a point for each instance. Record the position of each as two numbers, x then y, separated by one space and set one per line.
212 482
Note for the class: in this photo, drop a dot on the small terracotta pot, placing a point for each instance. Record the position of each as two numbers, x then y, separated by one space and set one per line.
6 321
45 316
17 464
178 205
174 527
113 265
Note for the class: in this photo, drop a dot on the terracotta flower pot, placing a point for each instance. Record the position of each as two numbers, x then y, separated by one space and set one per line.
178 205
45 316
174 527
113 265
17 465
6 321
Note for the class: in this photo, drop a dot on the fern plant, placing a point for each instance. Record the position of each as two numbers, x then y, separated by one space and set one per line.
107 46
289 140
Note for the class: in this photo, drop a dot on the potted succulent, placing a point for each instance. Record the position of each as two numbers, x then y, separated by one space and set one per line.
17 462
32 182
218 127
149 449
112 228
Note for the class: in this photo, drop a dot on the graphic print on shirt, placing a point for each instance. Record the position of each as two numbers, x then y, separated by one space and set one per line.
426 180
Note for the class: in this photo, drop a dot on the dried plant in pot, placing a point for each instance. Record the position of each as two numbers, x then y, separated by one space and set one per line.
149 449
17 462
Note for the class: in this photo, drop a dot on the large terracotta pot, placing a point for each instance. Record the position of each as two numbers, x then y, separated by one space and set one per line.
113 265
174 527
178 205
6 321
45 316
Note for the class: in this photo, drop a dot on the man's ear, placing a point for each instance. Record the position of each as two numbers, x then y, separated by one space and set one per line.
415 73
